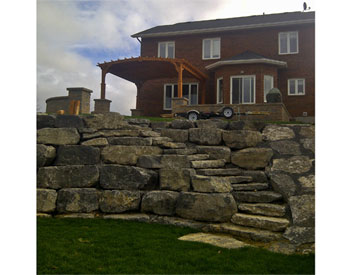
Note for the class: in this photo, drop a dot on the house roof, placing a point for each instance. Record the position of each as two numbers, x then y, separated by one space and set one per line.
248 22
247 57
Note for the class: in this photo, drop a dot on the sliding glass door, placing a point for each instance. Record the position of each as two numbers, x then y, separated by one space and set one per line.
243 89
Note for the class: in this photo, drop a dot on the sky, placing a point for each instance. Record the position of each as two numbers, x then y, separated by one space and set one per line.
73 36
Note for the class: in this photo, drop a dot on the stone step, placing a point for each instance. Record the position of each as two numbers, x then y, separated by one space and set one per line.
258 196
265 209
220 172
261 222
249 233
198 157
208 163
254 186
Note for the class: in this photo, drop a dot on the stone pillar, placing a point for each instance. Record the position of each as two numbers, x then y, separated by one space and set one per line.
176 104
102 106
82 94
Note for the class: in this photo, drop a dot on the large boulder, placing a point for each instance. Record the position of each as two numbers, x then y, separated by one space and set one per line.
300 235
207 184
127 155
293 165
205 136
45 121
44 155
177 135
101 141
176 179
283 184
308 143
307 184
307 131
182 124
130 141
241 138
303 210
164 161
118 201
122 177
216 152
56 177
286 147
69 121
77 200
45 200
58 136
252 158
275 132
206 207
77 155
212 123
160 202
105 121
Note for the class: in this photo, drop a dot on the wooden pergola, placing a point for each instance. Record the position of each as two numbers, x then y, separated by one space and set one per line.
140 69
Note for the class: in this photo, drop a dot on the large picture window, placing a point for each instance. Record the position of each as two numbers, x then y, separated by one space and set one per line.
243 89
288 42
166 49
211 48
189 91
296 86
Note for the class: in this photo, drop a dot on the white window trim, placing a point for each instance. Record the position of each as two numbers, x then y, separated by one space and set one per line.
288 42
217 90
211 48
241 76
166 47
172 92
266 75
296 86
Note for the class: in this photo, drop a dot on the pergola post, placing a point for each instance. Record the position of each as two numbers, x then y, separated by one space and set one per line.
103 84
179 82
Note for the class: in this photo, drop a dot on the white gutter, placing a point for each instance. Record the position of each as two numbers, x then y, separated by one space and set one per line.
229 28
247 61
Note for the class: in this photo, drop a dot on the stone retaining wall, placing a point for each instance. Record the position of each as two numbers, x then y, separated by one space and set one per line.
247 179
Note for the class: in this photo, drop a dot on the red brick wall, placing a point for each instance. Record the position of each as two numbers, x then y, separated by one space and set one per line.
262 41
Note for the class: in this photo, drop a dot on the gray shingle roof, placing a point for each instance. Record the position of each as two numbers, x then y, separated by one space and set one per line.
229 23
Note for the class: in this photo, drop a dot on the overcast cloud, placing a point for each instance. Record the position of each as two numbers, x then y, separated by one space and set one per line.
73 36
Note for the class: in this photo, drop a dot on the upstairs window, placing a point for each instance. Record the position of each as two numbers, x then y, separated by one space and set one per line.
166 49
296 86
211 48
288 42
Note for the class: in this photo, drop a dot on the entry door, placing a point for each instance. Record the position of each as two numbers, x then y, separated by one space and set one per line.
243 89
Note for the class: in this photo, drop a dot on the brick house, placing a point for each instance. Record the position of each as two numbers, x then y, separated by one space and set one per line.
225 61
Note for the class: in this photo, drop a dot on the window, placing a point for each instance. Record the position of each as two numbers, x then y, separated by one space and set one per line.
211 48
243 89
296 86
288 42
189 91
268 85
166 49
219 91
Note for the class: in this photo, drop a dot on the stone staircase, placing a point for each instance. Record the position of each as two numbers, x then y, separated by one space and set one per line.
261 212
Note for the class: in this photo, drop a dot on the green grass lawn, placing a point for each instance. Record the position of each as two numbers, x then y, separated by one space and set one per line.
67 246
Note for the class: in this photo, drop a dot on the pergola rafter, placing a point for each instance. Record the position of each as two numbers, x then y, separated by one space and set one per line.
140 69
